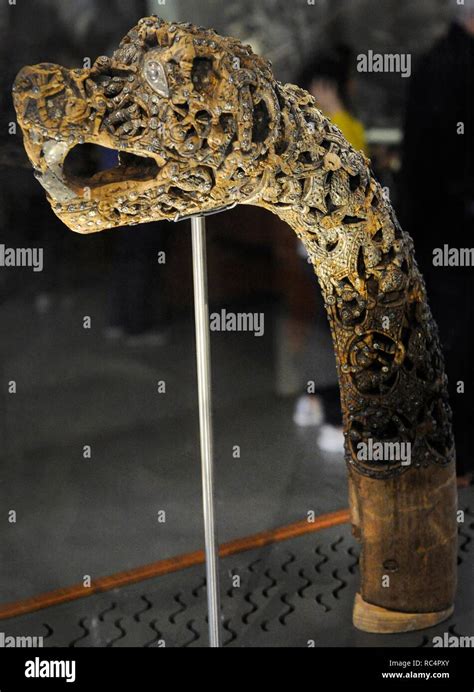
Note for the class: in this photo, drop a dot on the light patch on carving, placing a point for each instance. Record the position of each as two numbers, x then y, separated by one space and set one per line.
155 75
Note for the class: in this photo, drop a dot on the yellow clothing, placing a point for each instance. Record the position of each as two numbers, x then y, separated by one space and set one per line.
351 128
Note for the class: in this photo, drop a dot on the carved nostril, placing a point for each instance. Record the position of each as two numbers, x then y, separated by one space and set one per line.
25 82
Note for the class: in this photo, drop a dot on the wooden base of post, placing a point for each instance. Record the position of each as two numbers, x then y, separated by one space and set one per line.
372 618
408 533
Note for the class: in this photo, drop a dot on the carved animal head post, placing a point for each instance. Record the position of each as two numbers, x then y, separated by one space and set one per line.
201 125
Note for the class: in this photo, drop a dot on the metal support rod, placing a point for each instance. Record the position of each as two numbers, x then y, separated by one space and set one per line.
203 358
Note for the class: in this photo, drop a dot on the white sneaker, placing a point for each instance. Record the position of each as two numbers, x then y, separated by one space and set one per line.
331 439
308 411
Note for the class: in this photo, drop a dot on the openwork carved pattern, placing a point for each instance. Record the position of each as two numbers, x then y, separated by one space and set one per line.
202 125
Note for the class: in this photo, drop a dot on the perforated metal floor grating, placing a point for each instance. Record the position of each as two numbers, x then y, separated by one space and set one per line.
290 593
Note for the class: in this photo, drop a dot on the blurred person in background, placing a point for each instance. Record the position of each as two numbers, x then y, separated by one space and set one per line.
437 203
329 79
137 310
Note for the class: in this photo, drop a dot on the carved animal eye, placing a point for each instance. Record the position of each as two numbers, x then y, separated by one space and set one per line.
156 77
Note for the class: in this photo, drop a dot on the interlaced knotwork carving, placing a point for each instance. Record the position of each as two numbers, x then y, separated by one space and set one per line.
201 125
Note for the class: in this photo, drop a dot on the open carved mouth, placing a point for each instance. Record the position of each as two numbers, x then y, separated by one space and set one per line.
90 165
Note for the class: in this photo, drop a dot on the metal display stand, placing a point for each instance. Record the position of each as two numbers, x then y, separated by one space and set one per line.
203 358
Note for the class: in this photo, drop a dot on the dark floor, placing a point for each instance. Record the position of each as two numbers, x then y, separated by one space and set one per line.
298 592
97 516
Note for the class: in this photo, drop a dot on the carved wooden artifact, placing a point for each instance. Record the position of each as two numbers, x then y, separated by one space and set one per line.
202 125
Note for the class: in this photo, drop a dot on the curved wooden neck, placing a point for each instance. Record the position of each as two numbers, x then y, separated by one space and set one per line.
397 420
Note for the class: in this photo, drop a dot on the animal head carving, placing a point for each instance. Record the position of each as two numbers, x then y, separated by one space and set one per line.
200 125
194 116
